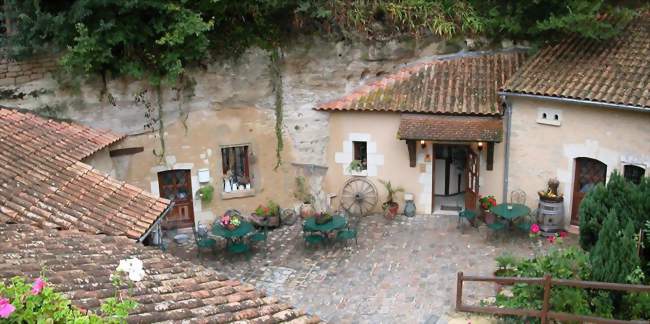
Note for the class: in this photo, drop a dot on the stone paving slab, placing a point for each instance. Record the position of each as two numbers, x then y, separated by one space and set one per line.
402 271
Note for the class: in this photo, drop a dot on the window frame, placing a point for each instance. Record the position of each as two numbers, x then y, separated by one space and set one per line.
246 168
357 153
636 166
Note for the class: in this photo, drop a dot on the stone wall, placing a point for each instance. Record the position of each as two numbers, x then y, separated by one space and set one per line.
15 73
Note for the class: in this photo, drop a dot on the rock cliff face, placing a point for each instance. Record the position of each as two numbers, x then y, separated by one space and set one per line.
314 70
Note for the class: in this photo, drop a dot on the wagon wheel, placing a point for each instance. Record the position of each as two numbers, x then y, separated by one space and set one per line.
359 196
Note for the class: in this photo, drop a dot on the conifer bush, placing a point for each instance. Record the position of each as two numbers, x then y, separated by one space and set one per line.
614 258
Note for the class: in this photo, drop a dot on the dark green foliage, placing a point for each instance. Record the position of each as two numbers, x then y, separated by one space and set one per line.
549 19
629 200
631 203
592 213
614 258
569 263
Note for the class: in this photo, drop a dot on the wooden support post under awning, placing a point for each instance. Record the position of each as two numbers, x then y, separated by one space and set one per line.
411 144
490 156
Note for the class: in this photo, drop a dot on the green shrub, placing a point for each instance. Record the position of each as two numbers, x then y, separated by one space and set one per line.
631 203
615 256
570 263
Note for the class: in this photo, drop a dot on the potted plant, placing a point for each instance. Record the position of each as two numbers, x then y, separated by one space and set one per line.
390 206
487 202
206 192
269 215
307 199
230 220
322 218
355 166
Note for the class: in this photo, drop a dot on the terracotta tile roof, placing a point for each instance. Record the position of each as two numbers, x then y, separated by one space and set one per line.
465 85
42 181
79 265
450 128
60 138
615 71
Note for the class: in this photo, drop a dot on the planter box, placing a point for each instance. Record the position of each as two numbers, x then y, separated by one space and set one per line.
273 221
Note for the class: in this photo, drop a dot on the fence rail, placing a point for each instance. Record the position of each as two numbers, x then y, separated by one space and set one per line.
545 313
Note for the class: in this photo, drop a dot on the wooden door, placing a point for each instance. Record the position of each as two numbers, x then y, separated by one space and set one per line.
472 170
176 185
588 173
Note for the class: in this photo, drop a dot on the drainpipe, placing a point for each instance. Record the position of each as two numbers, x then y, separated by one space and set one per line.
506 158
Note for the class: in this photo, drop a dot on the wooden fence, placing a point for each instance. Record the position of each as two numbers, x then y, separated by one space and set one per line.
547 282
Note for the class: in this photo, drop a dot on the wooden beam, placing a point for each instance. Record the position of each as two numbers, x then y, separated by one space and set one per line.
125 151
411 144
490 156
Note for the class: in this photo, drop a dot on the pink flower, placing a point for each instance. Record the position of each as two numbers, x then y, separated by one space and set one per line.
38 286
6 308
563 234
534 228
551 239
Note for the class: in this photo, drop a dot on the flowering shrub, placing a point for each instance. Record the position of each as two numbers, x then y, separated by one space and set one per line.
487 202
271 209
21 302
230 220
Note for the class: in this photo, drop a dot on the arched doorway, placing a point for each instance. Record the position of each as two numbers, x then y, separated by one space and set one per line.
176 185
588 173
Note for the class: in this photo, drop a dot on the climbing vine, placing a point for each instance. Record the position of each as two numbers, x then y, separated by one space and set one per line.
275 67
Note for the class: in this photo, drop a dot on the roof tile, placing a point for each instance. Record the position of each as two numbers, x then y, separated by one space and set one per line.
450 128
463 85
80 265
45 183
615 71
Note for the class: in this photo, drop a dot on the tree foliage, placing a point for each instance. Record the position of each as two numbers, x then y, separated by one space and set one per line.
614 258
154 37
548 19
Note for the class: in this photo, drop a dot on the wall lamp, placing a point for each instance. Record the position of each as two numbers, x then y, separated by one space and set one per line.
423 144
480 146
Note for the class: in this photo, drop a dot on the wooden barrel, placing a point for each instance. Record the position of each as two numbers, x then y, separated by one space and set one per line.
550 216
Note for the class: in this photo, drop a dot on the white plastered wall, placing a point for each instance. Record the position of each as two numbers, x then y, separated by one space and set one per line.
540 151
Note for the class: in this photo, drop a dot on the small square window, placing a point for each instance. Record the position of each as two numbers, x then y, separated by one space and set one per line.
236 168
361 153
633 173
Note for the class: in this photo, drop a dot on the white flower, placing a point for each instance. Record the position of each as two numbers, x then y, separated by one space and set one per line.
136 275
133 267
124 266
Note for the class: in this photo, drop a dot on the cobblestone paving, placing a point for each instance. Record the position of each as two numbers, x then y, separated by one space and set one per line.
402 271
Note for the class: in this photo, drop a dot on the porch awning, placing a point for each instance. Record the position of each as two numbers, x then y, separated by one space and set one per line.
450 128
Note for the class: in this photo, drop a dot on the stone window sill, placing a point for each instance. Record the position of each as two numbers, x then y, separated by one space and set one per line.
238 194
363 173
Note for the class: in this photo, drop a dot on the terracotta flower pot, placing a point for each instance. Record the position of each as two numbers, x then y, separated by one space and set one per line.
307 210
390 210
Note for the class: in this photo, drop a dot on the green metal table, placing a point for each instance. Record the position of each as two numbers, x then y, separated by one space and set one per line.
232 236
511 214
241 230
337 222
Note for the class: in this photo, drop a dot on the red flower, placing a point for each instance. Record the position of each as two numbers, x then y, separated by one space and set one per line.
534 228
551 239
563 234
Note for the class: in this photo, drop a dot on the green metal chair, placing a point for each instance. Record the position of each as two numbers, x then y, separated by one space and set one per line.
202 241
496 227
468 215
238 247
312 238
260 235
348 233
527 221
